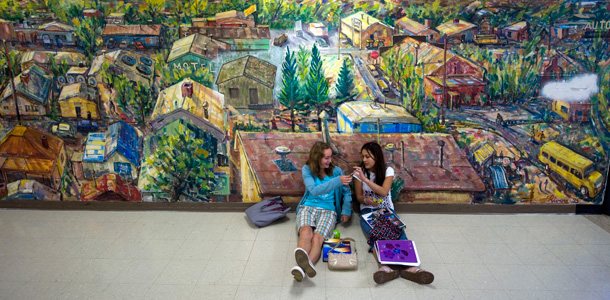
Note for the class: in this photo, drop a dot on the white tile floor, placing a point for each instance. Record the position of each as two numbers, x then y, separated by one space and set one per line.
195 255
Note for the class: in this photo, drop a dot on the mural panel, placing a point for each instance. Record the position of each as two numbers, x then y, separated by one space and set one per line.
497 102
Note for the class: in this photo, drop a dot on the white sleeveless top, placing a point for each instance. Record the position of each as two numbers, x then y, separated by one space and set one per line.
368 192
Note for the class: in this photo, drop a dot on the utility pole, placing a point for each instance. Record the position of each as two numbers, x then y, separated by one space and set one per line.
10 71
444 80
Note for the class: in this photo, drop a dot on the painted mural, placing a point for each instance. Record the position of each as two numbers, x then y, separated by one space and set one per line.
491 102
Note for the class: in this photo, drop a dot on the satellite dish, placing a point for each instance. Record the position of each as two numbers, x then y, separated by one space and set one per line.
80 78
92 81
71 79
61 80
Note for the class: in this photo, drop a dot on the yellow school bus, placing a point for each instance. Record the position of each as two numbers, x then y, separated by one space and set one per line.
576 169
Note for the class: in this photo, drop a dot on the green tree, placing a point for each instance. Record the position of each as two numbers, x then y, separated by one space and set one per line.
303 58
317 86
89 33
11 10
15 59
345 83
289 94
142 103
124 89
153 11
182 166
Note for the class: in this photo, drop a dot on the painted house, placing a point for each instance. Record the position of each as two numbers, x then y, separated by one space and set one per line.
559 67
116 151
33 94
79 100
516 32
194 52
365 116
110 187
27 189
115 18
194 97
416 162
27 153
248 82
232 18
459 28
411 27
360 27
56 34
240 38
138 36
43 59
465 78
137 67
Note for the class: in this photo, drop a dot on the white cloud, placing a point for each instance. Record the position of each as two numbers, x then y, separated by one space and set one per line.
576 89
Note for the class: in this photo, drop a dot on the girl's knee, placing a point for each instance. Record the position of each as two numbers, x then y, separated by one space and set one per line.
306 232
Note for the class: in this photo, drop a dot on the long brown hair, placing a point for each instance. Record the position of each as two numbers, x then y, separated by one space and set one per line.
380 165
316 153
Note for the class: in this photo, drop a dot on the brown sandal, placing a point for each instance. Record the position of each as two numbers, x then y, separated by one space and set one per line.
384 274
418 275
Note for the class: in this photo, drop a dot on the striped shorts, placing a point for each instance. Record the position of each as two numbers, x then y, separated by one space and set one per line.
322 220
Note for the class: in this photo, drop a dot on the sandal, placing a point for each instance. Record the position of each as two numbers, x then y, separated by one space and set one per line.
418 275
384 274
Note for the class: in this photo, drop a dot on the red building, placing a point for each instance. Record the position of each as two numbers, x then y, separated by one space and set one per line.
465 78
110 187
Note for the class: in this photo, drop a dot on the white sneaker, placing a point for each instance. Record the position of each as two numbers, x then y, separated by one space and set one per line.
298 273
303 261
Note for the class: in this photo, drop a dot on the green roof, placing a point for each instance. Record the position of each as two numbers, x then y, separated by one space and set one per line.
251 67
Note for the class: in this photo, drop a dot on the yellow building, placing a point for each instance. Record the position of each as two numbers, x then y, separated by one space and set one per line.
195 98
360 27
78 100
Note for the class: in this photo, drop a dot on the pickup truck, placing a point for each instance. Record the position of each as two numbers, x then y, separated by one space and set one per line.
86 125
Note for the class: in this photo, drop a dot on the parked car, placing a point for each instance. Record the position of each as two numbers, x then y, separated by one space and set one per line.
280 40
86 125
63 130
124 44
321 42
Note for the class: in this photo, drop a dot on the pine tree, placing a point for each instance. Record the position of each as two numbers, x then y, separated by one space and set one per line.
317 86
289 94
345 83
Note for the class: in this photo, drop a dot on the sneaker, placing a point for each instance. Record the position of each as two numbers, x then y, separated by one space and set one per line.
298 273
303 261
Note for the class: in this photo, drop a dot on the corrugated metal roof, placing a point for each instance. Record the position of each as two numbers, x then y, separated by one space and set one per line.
229 33
411 25
517 26
112 29
451 28
484 153
367 112
26 142
431 55
56 26
421 159
171 99
74 90
194 43
251 67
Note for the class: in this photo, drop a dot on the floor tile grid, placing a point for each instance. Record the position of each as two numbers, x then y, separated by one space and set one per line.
499 259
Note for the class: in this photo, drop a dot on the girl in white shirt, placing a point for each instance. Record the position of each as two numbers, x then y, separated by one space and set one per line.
373 192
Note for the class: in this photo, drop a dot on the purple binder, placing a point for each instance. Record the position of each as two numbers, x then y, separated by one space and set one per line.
397 252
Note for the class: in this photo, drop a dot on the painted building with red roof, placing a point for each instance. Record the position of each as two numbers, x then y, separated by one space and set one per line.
110 187
425 181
